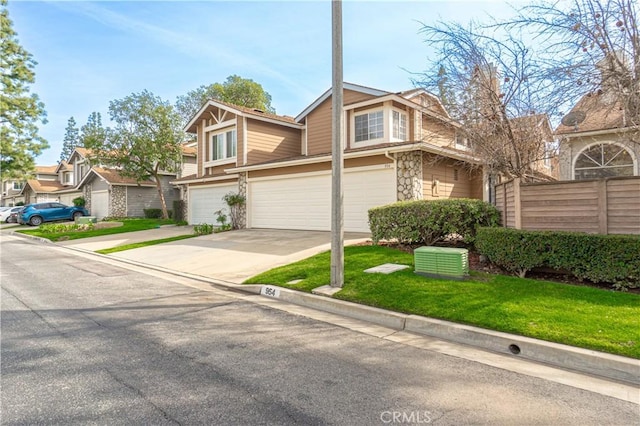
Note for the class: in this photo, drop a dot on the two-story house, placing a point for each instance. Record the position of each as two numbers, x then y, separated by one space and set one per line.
398 146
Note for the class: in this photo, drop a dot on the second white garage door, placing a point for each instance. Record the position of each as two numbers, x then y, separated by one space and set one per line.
304 201
205 201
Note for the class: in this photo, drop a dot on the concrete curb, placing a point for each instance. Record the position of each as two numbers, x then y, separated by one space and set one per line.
591 362
568 357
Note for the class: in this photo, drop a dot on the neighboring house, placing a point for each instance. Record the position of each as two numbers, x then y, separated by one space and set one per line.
398 146
105 190
11 192
109 194
596 141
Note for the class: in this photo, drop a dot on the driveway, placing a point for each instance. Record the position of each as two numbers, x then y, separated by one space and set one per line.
231 256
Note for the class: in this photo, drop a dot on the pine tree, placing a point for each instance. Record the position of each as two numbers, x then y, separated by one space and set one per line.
71 139
20 110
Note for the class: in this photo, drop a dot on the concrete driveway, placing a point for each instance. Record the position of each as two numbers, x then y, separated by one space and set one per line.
231 256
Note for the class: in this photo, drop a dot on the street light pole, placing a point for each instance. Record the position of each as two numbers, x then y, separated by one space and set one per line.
337 136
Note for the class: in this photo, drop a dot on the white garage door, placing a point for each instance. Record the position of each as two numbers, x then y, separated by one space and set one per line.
304 201
205 201
99 204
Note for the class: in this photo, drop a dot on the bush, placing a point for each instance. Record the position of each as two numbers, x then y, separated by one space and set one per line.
155 213
598 258
57 228
235 203
79 202
203 229
178 209
426 222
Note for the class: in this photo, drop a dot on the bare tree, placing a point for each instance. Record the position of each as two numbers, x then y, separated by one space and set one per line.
587 47
488 85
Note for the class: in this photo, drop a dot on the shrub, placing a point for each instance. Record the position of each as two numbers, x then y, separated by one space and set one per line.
426 222
235 203
178 209
203 229
79 201
57 228
611 259
155 213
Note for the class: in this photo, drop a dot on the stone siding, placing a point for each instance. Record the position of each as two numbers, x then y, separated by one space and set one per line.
409 175
242 190
118 201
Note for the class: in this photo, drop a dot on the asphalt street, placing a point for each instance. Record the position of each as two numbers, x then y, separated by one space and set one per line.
88 342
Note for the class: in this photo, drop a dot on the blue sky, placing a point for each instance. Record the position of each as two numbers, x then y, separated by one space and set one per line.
90 53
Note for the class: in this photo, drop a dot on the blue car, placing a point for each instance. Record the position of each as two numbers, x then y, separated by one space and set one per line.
35 214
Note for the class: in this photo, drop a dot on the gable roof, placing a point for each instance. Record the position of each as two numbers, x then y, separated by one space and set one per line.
602 112
348 86
50 170
39 186
113 177
240 111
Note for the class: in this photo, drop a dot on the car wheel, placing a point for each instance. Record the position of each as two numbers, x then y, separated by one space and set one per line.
76 215
35 220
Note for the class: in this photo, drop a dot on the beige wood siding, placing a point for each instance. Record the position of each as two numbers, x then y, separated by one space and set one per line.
319 122
436 132
217 170
218 182
444 179
240 139
320 167
267 141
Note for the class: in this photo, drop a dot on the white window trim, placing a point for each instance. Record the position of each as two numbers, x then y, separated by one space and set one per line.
619 144
225 159
387 130
406 130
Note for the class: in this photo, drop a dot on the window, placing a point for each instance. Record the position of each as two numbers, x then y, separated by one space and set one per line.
67 177
223 145
399 125
369 126
603 160
461 141
17 186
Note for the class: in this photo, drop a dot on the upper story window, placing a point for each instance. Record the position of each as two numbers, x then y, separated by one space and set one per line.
399 125
462 142
223 145
67 178
17 186
369 126
603 160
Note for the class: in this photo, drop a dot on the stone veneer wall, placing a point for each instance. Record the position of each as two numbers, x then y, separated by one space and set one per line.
86 193
118 201
242 190
409 175
184 190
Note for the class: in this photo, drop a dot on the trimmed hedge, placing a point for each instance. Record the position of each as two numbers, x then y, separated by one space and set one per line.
611 259
426 222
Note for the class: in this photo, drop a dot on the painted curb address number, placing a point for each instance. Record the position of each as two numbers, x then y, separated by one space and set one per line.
267 290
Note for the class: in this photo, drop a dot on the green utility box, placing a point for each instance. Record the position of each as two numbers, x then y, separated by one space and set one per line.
86 219
442 262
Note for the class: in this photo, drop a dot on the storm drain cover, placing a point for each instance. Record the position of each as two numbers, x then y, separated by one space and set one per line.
387 268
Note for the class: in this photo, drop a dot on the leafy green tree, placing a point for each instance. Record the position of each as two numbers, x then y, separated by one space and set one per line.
235 90
93 133
71 139
145 142
20 110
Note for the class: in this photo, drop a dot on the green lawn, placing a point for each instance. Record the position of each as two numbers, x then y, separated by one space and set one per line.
144 244
575 315
128 225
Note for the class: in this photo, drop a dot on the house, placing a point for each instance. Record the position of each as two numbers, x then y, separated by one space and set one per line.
596 141
105 190
398 146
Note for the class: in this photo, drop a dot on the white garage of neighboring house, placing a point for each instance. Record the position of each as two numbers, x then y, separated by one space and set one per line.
303 201
205 200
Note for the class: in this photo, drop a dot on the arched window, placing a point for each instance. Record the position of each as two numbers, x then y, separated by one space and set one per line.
603 160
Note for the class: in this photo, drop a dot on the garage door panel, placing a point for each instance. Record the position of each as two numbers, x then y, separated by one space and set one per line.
304 202
204 202
99 204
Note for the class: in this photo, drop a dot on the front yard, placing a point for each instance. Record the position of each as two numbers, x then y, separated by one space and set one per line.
575 315
124 225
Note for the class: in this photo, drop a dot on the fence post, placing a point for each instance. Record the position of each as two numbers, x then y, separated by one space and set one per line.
602 207
516 202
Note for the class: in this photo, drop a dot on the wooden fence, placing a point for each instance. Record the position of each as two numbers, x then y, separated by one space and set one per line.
603 206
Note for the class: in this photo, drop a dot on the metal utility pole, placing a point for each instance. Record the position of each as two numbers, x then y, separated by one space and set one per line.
337 210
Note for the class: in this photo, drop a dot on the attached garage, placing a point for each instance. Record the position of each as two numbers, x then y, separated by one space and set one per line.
303 201
206 200
99 204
